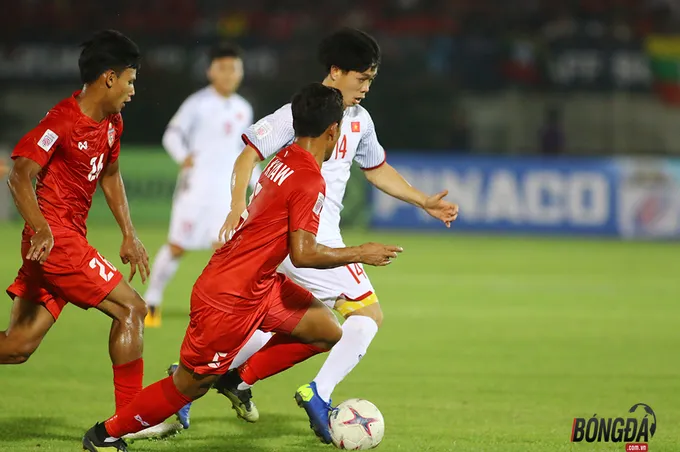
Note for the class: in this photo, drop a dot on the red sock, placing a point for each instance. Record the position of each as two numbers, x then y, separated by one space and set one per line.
281 352
152 406
127 381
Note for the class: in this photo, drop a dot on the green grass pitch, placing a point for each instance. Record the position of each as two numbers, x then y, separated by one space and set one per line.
488 344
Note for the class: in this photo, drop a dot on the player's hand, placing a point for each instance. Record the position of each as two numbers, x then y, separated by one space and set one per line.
441 209
41 245
133 252
188 162
377 254
230 225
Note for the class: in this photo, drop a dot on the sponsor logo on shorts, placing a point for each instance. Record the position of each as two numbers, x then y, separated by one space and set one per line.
139 419
216 360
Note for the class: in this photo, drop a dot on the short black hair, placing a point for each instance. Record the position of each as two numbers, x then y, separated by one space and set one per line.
315 107
225 49
350 50
107 50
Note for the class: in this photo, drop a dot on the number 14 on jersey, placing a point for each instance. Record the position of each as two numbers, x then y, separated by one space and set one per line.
341 148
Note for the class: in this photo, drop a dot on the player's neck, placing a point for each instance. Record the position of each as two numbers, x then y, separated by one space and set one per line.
313 146
90 103
224 94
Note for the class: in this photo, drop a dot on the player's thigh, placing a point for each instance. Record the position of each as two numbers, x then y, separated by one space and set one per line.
365 308
346 289
32 288
187 224
294 310
217 214
86 278
214 337
123 302
318 325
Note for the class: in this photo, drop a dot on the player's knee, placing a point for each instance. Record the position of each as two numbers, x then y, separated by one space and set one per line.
139 309
376 315
372 311
192 385
19 350
176 251
332 334
335 335
135 309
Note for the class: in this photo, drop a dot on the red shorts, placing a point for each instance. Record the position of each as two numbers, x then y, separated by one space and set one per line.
214 336
74 273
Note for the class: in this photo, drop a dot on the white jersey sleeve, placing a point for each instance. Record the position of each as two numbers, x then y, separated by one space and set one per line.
370 154
179 129
272 133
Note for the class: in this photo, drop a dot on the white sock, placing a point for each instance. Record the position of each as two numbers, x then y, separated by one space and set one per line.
357 334
255 343
163 269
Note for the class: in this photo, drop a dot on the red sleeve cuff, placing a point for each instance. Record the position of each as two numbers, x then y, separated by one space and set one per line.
376 166
379 164
247 141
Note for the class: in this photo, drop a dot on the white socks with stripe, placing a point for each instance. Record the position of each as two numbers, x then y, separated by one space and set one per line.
357 334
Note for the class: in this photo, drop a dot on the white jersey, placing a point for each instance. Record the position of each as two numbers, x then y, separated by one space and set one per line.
208 126
358 142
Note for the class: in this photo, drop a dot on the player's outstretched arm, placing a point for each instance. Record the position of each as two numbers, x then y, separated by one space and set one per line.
306 253
131 251
20 183
388 179
243 171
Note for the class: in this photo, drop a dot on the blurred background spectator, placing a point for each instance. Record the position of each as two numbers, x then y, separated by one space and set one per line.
611 65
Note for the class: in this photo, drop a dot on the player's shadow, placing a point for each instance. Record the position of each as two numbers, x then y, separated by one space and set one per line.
36 428
273 426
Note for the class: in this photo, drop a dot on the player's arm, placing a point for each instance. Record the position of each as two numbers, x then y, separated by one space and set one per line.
304 204
175 144
371 157
263 139
20 182
132 251
388 180
179 128
306 253
242 175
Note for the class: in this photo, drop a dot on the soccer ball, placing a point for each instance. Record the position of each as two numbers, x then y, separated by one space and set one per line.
356 424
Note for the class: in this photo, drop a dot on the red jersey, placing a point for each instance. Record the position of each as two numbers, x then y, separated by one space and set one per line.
72 150
289 196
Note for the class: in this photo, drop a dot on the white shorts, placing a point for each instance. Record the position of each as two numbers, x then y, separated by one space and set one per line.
195 225
349 282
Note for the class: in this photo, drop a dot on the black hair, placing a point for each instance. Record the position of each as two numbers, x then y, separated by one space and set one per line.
224 50
315 107
350 50
107 50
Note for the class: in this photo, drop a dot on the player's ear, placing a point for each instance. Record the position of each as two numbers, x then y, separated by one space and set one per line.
333 131
110 78
335 73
